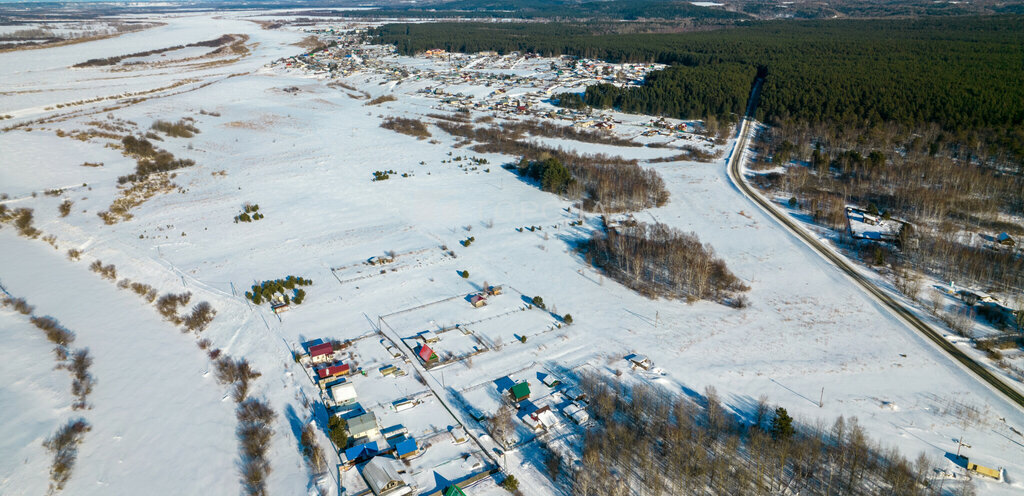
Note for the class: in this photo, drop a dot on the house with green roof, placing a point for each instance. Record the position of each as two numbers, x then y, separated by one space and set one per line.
520 391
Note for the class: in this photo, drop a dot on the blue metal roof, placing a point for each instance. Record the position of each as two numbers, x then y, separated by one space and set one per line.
365 449
405 447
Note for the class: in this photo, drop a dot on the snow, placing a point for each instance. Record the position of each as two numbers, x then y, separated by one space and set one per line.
160 420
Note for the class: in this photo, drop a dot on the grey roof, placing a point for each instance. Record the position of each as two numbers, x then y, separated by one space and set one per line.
362 423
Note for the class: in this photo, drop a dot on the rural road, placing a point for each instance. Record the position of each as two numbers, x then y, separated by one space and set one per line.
736 176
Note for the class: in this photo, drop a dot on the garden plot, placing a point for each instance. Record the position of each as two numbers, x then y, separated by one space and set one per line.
391 261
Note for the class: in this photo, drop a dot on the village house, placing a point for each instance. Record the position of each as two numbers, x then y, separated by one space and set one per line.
363 427
426 354
321 353
478 300
520 391
333 371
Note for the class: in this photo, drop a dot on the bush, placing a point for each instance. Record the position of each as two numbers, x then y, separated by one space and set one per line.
56 334
23 223
464 274
567 319
168 304
65 208
382 99
411 127
238 373
74 254
180 129
201 316
538 302
63 445
20 305
254 435
108 272
82 381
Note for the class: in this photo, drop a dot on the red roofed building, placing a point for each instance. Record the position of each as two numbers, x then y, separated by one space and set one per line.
333 371
478 300
321 352
427 354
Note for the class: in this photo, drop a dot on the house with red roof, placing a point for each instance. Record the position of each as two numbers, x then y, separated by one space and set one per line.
321 353
333 371
426 354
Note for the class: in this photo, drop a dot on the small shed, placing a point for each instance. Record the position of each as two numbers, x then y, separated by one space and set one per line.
397 430
520 391
551 381
1005 239
493 290
403 404
458 434
429 337
478 300
641 361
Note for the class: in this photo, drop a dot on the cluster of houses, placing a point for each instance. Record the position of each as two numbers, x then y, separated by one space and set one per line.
349 55
540 413
379 449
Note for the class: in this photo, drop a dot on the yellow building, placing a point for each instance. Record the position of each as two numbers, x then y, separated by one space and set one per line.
988 472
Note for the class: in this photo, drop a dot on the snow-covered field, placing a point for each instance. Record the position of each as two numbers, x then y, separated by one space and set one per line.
161 422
